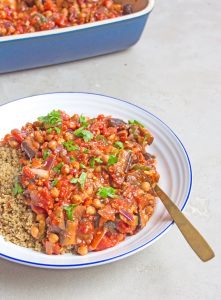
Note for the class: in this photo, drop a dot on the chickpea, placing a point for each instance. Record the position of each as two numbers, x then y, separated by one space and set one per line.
97 203
75 164
65 169
82 250
61 140
90 210
53 238
49 137
35 144
98 169
52 145
40 217
90 175
68 136
140 192
77 199
34 232
78 240
105 158
38 137
145 186
149 210
112 137
90 190
13 143
54 192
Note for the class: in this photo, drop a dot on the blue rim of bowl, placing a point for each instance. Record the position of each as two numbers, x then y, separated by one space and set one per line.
125 254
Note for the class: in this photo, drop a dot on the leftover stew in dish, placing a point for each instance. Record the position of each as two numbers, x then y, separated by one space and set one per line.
26 16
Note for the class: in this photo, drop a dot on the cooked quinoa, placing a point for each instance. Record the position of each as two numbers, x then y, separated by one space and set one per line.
16 218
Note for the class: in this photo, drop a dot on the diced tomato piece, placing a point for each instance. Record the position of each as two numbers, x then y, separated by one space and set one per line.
28 172
97 238
107 213
86 227
38 210
17 135
42 199
123 227
109 240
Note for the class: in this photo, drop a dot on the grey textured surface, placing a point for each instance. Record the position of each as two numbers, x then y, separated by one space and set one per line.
175 72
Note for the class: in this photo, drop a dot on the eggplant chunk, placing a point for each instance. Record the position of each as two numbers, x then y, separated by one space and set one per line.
113 122
148 156
29 151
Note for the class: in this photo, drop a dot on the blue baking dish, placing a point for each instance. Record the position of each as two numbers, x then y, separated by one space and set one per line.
25 51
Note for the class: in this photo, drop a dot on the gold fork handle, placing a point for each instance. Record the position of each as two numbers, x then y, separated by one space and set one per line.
190 233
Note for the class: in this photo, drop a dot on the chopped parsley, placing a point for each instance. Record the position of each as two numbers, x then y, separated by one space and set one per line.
54 182
74 180
46 153
57 168
112 160
57 129
86 150
72 159
69 145
49 130
95 159
85 134
134 122
100 137
83 121
17 189
69 210
105 192
119 145
53 118
141 167
82 166
82 179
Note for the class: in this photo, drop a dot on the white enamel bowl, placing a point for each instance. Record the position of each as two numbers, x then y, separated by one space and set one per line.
173 166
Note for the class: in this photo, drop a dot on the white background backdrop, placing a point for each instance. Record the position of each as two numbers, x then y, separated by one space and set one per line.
175 72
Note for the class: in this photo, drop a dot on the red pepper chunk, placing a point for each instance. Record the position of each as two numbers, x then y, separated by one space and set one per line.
17 135
42 199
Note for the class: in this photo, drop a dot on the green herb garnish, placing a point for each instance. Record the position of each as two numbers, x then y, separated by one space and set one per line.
112 160
119 145
49 130
17 189
86 150
95 159
83 121
85 134
100 137
46 153
54 182
57 168
57 129
82 179
69 210
105 192
70 146
72 159
82 166
74 180
52 118
141 167
134 122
